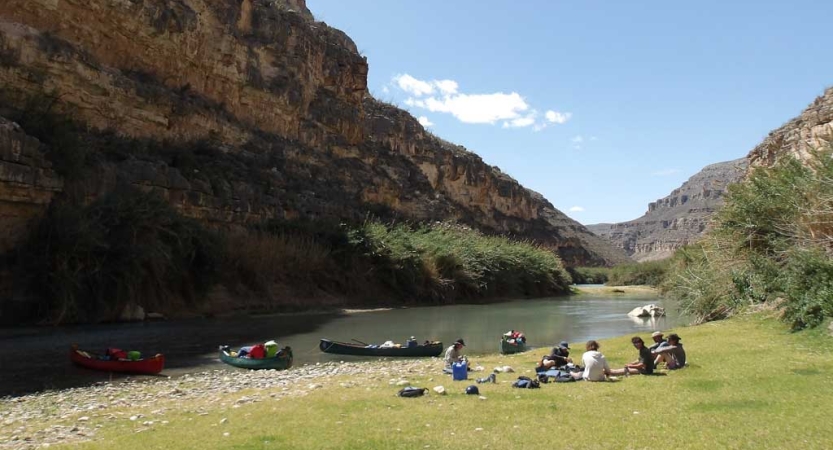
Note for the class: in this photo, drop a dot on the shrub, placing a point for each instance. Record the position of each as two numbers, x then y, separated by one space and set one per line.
645 273
771 243
129 247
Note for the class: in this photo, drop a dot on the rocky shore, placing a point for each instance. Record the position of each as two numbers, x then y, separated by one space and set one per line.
76 415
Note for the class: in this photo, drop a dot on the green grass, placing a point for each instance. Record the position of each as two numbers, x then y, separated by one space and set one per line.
750 384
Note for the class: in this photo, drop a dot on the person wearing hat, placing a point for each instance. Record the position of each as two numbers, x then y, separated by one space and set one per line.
658 341
411 342
454 353
557 359
673 354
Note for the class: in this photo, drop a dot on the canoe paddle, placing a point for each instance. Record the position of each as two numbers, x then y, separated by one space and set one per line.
360 342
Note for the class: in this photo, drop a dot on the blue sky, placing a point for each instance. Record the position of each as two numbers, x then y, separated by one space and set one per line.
601 106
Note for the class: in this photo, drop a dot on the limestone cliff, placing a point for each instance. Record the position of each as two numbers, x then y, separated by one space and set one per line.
812 129
678 219
242 110
27 182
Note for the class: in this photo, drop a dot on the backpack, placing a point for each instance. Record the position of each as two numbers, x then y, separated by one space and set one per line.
526 383
411 391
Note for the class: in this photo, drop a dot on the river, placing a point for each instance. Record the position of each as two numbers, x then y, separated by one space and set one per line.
35 359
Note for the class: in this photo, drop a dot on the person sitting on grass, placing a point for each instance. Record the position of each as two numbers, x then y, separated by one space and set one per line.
645 364
557 359
454 353
673 354
658 341
595 365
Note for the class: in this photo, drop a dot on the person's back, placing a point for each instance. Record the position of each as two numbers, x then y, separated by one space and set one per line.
647 359
595 366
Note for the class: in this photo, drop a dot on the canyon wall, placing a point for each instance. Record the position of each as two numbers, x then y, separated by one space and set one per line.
684 215
237 111
677 219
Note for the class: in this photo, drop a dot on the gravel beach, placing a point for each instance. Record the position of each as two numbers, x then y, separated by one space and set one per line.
65 416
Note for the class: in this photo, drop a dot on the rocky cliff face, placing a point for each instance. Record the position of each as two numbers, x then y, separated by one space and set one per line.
678 219
27 182
238 111
811 130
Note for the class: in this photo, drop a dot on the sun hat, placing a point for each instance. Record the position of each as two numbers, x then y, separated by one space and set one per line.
656 334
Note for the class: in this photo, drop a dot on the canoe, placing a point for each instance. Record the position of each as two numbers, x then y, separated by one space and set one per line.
282 361
507 347
344 348
145 366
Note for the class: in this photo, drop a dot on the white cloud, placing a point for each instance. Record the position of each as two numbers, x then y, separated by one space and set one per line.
447 87
557 117
413 86
665 172
444 96
424 121
576 209
521 122
594 138
479 108
577 140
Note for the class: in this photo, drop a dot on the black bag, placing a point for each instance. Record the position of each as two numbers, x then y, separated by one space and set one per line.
411 391
524 382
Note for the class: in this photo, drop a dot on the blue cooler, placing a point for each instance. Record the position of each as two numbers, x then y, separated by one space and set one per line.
459 371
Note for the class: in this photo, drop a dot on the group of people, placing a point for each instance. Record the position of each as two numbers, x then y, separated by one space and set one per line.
595 367
670 352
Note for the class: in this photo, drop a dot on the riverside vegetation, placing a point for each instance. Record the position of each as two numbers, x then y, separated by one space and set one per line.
730 396
770 244
88 262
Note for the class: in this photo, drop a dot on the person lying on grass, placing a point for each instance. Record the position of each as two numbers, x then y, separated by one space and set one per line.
645 364
673 355
595 365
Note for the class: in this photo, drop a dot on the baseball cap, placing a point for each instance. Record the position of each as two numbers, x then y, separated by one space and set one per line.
564 344
460 341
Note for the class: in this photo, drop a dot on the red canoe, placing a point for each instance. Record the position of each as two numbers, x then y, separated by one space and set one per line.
148 366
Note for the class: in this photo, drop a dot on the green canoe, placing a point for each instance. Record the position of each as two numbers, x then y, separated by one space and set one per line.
507 348
282 361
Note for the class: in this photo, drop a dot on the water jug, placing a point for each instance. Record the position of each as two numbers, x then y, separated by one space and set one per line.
459 371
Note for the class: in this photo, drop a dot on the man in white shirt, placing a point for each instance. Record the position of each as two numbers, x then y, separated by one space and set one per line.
595 365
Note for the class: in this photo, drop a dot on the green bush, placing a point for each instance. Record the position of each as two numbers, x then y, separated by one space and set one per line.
646 273
589 275
770 244
129 247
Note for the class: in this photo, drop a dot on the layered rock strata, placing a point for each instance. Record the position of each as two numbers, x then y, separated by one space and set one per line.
678 219
238 111
812 129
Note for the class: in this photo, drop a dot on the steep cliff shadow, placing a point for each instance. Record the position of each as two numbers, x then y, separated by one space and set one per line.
36 359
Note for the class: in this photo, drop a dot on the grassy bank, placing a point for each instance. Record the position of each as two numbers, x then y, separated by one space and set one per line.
750 384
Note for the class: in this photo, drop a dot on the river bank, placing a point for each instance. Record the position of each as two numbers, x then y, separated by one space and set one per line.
602 289
35 359
731 395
